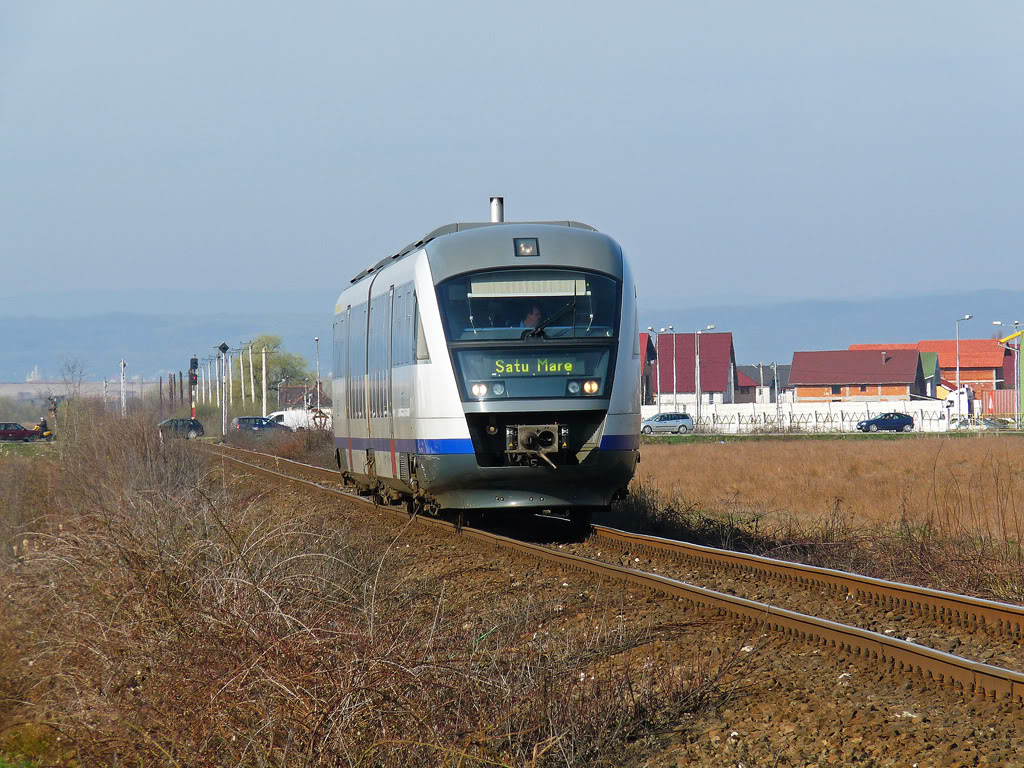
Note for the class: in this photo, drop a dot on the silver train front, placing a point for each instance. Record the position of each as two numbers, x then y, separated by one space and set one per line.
444 395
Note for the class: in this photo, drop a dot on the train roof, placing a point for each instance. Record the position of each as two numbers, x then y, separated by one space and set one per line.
463 226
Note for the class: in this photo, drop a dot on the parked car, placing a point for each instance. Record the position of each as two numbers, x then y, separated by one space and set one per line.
189 429
679 423
256 424
893 422
13 431
303 418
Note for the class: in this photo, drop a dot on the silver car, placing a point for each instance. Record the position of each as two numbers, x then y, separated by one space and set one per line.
679 423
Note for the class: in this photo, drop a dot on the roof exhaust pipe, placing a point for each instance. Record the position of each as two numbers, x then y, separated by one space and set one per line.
497 210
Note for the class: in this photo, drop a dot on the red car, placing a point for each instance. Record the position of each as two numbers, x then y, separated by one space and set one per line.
11 431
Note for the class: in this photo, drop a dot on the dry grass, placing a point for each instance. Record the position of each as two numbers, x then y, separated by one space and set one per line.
944 512
155 613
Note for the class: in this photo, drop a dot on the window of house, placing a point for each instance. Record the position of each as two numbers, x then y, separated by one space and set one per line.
863 387
836 389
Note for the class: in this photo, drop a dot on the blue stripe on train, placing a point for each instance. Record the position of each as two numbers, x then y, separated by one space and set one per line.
462 445
442 446
620 442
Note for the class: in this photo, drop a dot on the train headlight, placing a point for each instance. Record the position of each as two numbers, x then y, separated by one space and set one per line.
526 246
498 389
590 387
479 390
574 387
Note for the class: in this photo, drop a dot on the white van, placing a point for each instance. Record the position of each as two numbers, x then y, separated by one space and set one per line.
302 418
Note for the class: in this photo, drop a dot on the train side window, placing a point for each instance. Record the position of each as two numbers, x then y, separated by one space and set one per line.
422 352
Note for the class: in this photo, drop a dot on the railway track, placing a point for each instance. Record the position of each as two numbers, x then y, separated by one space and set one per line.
943 668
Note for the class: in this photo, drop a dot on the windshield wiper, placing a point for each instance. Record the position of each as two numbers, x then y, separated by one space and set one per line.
570 307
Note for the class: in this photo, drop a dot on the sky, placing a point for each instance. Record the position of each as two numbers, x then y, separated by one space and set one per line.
740 152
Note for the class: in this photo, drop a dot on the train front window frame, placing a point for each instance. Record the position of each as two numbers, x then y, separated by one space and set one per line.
509 305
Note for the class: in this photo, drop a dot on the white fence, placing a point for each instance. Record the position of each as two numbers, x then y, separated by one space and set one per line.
737 418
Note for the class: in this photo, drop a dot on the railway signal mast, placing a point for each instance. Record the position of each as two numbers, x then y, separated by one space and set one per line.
193 379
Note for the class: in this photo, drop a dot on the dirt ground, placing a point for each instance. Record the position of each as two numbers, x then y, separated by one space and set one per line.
791 704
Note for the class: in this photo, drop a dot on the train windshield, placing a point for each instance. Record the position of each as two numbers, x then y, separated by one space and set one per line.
527 304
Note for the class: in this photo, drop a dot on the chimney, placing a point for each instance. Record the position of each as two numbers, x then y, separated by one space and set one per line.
497 210
883 357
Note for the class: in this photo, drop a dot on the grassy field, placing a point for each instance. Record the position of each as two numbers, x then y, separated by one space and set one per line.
948 512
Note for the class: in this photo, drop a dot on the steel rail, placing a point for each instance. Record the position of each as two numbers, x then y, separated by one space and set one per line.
946 607
946 669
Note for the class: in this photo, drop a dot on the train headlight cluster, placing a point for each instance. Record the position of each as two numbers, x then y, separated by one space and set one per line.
574 387
590 387
488 389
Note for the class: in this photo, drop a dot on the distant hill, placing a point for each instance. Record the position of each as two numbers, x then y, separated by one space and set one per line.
156 341
150 344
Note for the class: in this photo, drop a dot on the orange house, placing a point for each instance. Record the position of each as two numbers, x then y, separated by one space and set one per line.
982 361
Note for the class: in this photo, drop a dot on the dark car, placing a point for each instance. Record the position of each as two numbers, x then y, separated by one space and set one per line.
190 429
893 422
10 430
256 424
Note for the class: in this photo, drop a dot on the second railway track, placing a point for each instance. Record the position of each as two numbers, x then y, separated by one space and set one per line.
969 676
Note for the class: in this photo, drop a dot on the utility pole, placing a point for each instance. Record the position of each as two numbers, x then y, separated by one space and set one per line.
104 394
202 386
231 380
124 392
170 391
252 379
224 400
696 366
316 340
675 387
181 388
161 397
241 374
264 382
958 392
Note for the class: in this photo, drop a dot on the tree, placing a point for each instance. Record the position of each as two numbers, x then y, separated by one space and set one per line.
280 364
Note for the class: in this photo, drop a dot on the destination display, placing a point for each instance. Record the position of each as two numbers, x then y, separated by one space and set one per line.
547 365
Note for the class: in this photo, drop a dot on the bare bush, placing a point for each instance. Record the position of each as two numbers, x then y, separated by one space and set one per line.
164 614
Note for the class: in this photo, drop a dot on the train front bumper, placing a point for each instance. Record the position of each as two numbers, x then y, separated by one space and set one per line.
459 482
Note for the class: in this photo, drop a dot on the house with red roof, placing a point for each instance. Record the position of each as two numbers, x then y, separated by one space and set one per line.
984 364
848 375
717 368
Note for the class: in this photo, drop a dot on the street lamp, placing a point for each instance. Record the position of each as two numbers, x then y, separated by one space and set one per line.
958 393
696 368
316 340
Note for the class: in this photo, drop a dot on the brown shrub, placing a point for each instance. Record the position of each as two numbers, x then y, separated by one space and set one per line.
166 615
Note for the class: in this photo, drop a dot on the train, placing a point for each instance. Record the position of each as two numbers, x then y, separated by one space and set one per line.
491 366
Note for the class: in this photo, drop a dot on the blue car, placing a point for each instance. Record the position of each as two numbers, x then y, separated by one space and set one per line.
892 422
257 425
